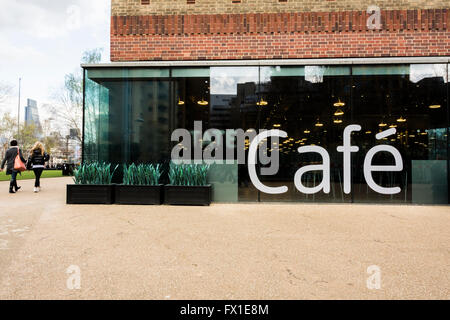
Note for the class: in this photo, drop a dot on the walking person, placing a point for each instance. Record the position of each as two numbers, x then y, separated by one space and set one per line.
9 160
38 158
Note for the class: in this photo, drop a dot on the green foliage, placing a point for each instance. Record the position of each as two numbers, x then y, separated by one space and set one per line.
188 174
94 173
29 175
27 135
8 128
141 175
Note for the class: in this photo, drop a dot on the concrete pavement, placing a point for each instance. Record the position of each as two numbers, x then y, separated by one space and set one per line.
245 251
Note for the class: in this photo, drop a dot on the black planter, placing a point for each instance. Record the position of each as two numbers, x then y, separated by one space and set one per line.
188 196
90 194
139 195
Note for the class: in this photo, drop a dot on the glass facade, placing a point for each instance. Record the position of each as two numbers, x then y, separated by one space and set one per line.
131 113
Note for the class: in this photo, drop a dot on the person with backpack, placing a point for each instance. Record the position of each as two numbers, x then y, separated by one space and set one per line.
13 166
38 158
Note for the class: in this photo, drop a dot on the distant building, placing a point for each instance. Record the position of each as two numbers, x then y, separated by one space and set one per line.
32 114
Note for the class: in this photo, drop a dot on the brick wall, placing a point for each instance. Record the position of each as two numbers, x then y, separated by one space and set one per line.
322 29
181 7
277 46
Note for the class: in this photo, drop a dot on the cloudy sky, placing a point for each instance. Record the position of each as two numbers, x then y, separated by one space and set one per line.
42 40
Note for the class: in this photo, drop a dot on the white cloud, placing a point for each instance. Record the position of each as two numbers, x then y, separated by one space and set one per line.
222 83
42 40
12 52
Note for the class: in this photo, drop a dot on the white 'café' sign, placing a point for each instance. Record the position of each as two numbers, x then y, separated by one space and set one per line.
347 149
214 153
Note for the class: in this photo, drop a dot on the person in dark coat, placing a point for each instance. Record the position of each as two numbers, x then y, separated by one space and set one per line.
9 160
38 158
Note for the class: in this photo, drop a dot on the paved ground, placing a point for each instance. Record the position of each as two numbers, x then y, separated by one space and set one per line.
221 252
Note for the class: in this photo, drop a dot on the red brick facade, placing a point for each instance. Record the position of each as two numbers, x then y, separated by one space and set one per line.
279 35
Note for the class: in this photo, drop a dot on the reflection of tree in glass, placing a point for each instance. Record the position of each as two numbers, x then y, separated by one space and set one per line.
224 173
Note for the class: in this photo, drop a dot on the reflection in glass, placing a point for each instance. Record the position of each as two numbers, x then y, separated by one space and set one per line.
234 106
310 104
400 96
130 114
127 116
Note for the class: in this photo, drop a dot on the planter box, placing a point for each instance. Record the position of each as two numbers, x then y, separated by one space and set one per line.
188 196
90 194
139 195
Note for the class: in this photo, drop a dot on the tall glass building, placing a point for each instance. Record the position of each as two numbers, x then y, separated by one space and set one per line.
32 114
133 105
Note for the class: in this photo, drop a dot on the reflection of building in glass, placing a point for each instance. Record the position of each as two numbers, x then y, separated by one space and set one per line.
32 114
220 111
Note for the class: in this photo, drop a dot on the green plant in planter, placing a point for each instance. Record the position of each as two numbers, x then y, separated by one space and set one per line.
94 173
141 175
188 174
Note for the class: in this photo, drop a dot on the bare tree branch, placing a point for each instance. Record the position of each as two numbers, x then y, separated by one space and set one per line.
68 109
5 91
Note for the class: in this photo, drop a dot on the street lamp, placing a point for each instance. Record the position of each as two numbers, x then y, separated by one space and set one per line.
18 111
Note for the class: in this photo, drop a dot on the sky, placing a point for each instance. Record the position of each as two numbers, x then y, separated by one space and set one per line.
42 40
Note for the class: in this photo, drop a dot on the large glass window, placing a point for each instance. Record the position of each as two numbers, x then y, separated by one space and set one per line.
412 99
96 123
312 104
130 114
221 98
233 106
127 116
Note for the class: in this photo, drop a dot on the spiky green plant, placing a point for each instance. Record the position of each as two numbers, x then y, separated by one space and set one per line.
188 174
97 173
141 175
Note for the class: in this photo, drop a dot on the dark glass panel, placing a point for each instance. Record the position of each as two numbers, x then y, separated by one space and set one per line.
413 100
127 116
301 101
233 106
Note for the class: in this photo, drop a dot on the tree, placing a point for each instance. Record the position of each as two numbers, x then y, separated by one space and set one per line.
51 143
52 140
68 109
92 56
8 129
28 134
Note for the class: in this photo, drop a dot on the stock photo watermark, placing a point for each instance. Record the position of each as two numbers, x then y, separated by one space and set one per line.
73 17
74 280
374 20
374 280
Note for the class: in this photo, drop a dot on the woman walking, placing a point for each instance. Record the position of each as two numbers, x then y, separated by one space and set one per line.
9 160
37 160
